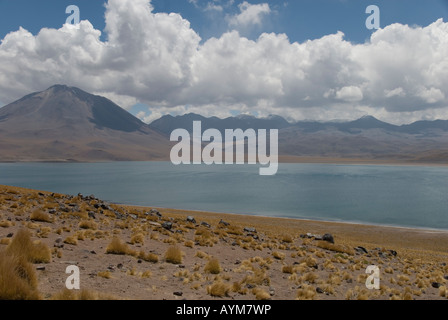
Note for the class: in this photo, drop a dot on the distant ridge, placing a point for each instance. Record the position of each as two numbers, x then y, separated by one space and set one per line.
66 123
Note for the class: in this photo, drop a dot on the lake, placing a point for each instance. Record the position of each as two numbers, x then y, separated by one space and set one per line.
409 196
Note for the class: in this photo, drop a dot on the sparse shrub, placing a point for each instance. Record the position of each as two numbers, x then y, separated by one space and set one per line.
213 266
73 240
173 255
5 224
147 274
18 280
218 289
105 274
86 224
189 244
261 294
22 246
287 269
287 238
278 255
138 238
39 215
306 293
117 247
149 257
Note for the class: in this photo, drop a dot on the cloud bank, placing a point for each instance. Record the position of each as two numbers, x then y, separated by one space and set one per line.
400 75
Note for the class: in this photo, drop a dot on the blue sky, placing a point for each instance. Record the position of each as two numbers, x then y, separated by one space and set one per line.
224 57
299 19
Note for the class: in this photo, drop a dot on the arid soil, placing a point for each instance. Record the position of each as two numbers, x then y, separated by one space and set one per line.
140 253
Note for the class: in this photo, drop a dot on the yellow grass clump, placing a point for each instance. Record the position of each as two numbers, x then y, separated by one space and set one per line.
174 255
105 274
213 266
117 247
22 246
18 280
39 215
218 289
86 224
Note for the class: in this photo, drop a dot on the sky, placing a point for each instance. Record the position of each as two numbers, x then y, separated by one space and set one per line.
300 59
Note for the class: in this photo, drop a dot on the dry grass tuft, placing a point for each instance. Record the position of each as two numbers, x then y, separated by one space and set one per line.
213 266
174 255
219 289
82 295
117 247
86 224
39 215
105 274
18 280
22 246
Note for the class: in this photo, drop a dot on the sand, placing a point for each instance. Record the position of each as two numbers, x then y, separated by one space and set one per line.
275 261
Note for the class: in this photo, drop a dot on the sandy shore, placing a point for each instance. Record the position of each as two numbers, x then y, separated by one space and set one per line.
222 256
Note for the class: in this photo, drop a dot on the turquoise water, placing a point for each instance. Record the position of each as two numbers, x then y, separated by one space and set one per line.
411 196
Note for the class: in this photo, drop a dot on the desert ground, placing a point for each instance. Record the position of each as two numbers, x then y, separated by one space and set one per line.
136 253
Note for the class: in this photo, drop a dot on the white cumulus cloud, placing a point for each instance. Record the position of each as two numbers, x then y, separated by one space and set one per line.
159 60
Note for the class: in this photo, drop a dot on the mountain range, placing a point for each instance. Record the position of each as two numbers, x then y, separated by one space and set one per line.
68 124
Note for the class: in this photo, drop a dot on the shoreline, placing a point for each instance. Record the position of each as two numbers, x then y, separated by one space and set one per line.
282 160
348 223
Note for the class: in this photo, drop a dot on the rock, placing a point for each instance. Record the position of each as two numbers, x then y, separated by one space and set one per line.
52 211
139 261
178 294
10 235
41 194
361 250
92 252
250 230
191 219
226 224
96 206
120 216
436 285
120 266
40 268
133 216
272 291
328 237
205 224
393 252
105 207
156 212
319 290
92 215
167 225
155 224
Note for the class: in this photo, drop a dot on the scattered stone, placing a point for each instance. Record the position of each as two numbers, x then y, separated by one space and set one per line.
167 225
92 252
272 291
205 224
436 285
40 268
237 262
226 224
250 230
41 194
191 219
111 268
155 224
445 277
393 252
52 211
92 215
178 294
181 266
120 216
120 266
96 206
10 235
361 250
156 212
328 237
133 216
139 261
319 290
